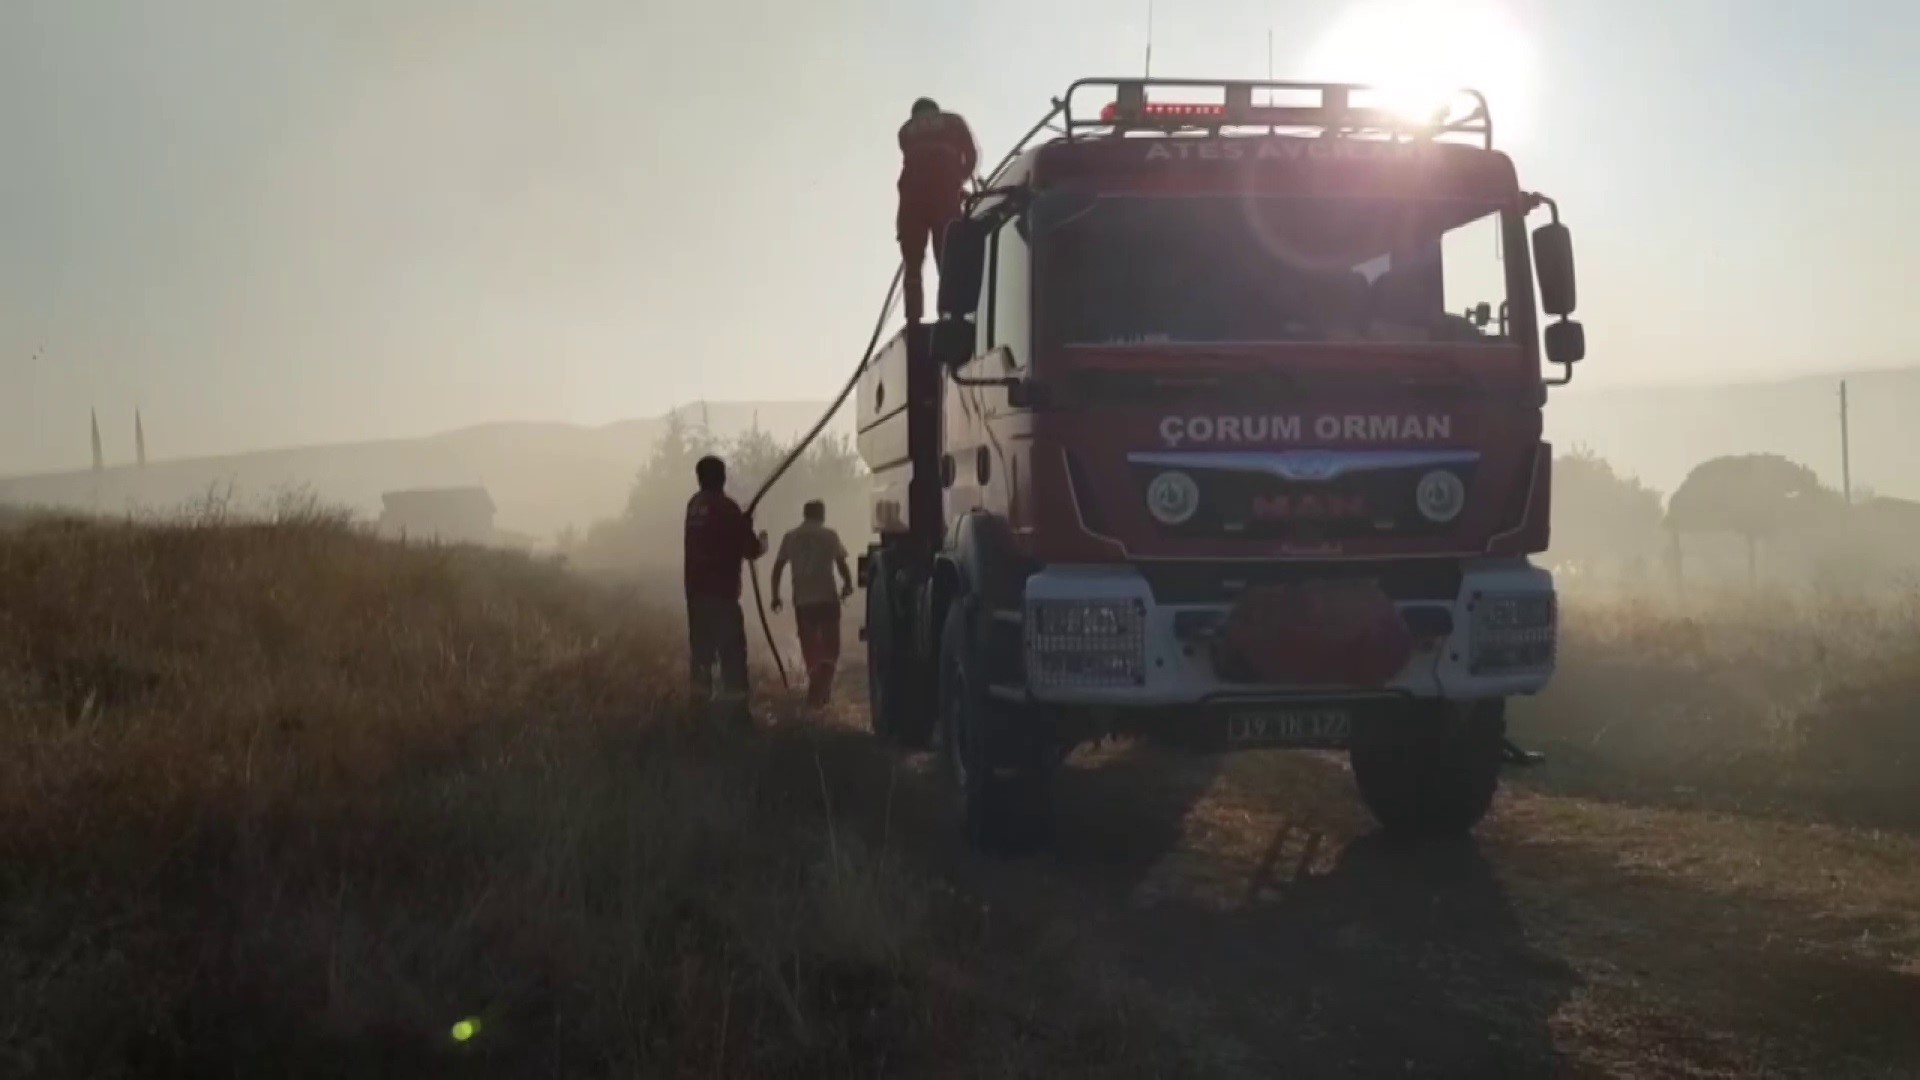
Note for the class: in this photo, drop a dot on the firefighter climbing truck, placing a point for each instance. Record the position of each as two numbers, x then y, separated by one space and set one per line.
1227 435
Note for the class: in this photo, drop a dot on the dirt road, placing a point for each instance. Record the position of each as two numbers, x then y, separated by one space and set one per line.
1572 937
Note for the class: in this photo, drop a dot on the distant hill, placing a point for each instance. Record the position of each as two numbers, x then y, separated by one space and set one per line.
547 476
542 476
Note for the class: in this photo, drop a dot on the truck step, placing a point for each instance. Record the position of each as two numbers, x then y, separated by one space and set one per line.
1513 755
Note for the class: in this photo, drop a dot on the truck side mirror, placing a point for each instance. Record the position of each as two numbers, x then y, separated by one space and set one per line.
963 265
1553 262
950 342
1566 342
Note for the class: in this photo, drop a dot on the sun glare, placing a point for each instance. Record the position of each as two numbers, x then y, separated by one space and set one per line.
1419 52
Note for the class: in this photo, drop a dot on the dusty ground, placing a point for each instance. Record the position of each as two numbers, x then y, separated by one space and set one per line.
1573 937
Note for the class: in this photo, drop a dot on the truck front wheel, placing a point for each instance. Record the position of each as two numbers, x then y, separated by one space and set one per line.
1431 770
1002 768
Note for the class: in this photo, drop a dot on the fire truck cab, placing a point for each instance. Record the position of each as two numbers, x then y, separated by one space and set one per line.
1228 435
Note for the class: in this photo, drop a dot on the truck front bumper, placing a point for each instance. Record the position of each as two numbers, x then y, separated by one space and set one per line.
1095 636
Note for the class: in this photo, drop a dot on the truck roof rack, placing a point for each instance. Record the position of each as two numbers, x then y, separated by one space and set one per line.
1330 110
1336 109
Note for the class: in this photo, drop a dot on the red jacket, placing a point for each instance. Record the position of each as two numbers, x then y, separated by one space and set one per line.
719 538
936 149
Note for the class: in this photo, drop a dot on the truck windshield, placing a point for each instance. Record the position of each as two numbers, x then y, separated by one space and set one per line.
1215 269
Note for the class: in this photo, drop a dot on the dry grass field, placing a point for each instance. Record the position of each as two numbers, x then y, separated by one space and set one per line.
284 800
1793 704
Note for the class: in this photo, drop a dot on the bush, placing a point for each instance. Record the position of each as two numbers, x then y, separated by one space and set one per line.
1601 519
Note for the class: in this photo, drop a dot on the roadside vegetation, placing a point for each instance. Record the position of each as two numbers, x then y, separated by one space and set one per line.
281 799
1778 702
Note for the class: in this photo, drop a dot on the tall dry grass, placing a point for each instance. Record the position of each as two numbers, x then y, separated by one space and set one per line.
1794 702
281 799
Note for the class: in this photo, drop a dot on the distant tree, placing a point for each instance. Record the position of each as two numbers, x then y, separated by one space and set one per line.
828 470
1599 515
1753 496
669 467
833 458
648 531
751 459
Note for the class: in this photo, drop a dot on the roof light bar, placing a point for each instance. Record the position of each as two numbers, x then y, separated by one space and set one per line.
1326 107
1165 110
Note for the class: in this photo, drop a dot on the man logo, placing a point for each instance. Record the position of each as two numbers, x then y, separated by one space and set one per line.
1310 465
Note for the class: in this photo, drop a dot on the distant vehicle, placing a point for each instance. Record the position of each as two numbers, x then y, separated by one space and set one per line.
1228 434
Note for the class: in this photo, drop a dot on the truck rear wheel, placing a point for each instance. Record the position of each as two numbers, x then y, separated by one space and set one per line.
1003 769
1431 771
890 711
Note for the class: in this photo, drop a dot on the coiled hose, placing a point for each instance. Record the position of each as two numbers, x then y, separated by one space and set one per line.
793 455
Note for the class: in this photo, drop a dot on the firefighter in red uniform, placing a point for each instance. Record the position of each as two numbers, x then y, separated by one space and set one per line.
937 156
719 538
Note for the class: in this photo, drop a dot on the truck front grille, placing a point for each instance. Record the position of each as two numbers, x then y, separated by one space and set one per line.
1255 505
1220 583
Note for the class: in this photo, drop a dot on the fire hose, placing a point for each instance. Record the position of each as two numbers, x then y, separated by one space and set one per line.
853 380
800 447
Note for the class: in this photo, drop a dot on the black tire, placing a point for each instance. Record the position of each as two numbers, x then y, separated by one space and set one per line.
1430 771
889 673
1002 768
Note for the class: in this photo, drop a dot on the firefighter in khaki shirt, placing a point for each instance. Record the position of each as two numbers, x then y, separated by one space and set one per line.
815 552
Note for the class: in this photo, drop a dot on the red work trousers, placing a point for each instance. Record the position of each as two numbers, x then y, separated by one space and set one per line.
925 209
819 626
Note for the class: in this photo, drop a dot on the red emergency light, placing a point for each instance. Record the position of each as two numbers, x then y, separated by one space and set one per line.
1165 110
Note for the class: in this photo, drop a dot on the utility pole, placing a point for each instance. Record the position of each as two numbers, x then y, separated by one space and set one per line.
1846 449
1149 65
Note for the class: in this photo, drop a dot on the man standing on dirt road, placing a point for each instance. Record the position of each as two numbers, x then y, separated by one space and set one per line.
719 538
815 552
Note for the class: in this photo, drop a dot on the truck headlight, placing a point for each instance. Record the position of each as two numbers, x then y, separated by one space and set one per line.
1173 498
1086 642
1513 632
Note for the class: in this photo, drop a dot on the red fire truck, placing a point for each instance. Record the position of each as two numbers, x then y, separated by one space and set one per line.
1228 435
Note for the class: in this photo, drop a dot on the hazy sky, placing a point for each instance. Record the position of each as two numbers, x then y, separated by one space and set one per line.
272 221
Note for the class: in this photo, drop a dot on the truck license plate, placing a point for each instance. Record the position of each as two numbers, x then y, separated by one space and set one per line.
1288 726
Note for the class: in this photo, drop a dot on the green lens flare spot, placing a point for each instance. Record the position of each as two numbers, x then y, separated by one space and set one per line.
465 1030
